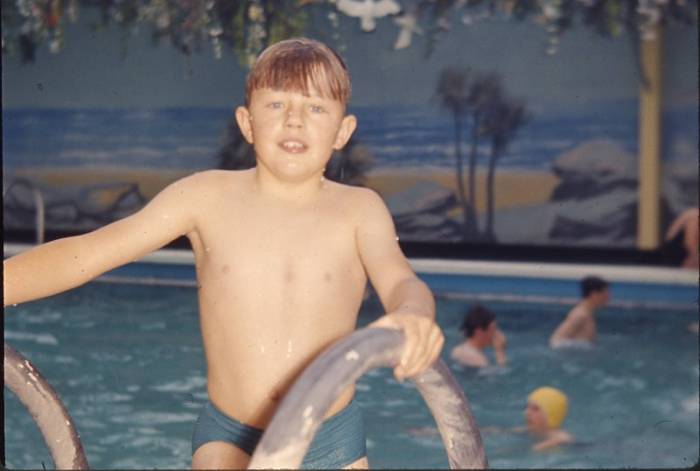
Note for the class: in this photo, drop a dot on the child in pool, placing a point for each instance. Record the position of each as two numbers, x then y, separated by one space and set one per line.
282 260
687 225
480 330
579 326
544 414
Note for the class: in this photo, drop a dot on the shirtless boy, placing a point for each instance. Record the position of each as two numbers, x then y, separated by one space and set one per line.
282 259
480 331
579 325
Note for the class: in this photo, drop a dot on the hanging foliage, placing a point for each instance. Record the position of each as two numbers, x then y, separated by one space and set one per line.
246 26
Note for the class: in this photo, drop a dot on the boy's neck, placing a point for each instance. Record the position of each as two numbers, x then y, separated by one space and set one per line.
589 305
476 343
301 191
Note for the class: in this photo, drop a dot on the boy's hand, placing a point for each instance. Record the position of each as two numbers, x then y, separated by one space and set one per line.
499 340
424 340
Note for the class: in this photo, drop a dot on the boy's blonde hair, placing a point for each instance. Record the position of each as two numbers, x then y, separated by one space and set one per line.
297 64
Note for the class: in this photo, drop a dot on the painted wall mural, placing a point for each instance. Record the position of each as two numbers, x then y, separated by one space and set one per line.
475 123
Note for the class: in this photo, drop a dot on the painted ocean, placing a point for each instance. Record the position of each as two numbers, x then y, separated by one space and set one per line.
161 142
397 137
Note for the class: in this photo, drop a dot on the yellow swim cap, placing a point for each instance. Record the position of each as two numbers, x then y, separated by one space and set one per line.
553 402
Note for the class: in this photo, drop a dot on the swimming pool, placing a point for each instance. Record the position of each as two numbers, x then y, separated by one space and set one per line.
128 362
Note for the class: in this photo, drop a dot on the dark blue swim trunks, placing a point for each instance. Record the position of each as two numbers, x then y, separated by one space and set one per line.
339 441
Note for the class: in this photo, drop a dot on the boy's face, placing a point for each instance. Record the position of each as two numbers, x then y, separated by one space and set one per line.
535 418
294 135
602 297
489 332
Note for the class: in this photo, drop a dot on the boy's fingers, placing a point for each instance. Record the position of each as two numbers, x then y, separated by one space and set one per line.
418 348
436 342
409 353
398 373
428 349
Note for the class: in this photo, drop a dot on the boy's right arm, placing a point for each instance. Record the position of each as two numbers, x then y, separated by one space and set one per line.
499 347
66 263
569 326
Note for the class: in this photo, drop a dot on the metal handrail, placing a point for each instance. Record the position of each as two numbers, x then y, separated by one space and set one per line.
284 443
49 413
287 437
40 218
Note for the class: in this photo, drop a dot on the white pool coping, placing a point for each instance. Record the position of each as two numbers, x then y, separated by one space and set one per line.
566 271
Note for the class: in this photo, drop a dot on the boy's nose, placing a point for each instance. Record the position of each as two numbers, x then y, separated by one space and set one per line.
294 118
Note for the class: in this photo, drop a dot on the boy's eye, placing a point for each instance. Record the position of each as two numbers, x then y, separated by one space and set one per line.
317 109
275 104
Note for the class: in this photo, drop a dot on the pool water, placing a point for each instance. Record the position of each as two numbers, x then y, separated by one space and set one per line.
128 362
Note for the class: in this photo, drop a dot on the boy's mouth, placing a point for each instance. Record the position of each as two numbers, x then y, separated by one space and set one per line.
293 146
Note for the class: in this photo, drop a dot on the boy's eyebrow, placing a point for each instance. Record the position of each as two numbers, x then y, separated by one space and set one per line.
307 93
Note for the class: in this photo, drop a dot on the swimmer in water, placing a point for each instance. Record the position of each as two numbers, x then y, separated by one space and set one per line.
687 224
544 414
480 331
282 256
579 326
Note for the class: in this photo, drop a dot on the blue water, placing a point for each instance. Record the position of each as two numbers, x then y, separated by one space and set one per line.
189 138
128 362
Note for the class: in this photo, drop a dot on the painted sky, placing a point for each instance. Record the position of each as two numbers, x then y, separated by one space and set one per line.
92 70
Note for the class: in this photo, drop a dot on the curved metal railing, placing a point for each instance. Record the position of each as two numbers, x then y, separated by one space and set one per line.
284 443
44 405
40 218
287 437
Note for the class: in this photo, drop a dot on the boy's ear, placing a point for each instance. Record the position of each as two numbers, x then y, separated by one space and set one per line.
243 118
347 127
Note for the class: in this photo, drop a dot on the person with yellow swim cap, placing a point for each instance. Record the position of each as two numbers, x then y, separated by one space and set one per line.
545 412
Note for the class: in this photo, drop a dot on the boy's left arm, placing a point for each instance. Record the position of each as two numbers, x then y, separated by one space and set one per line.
408 302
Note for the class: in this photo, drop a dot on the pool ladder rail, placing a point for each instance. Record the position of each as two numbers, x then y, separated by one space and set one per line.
39 205
286 439
47 410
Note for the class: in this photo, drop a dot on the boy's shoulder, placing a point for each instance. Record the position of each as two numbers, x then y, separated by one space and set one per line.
357 194
580 311
364 203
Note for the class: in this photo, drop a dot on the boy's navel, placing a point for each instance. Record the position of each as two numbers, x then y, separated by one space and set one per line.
288 275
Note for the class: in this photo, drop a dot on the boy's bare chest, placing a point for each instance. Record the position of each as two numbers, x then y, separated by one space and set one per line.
279 239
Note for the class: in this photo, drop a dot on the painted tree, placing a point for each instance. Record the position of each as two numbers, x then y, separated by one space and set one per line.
501 124
453 92
484 94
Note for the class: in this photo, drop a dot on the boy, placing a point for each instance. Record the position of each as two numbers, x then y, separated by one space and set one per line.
480 329
282 259
579 325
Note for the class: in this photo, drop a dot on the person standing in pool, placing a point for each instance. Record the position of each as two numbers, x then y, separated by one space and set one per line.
579 326
480 331
282 259
687 227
